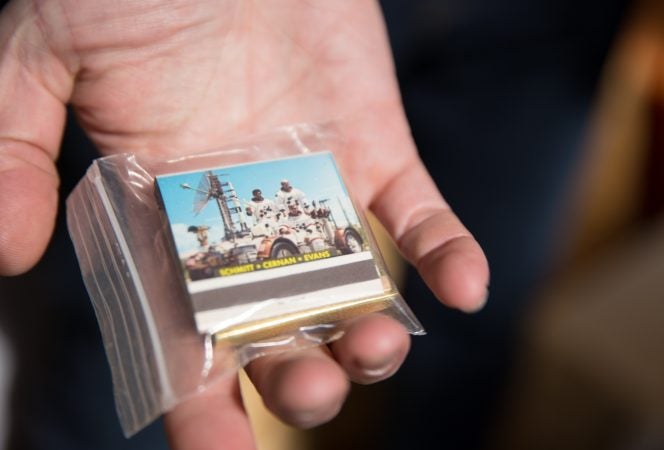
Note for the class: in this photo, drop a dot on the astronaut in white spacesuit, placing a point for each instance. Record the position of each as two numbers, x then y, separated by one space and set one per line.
260 208
287 198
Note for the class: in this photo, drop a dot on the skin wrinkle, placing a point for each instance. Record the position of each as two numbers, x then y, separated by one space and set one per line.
179 125
117 59
92 70
50 88
318 6
267 109
371 183
411 241
419 213
438 251
270 105
308 53
338 24
15 150
359 37
170 49
213 74
175 125
45 78
61 48
20 77
158 25
91 117
24 52
289 36
255 111
248 124
422 212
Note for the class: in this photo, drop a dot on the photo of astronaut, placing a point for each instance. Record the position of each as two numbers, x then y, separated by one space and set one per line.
259 216
278 229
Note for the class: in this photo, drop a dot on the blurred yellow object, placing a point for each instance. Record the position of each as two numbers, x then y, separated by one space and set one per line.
270 432
396 265
611 184
590 371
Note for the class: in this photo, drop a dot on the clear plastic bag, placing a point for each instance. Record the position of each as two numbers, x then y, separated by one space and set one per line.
190 280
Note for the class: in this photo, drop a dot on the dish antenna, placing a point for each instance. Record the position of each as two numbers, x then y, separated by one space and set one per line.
230 208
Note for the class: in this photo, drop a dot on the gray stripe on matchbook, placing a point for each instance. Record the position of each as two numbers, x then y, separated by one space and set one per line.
286 286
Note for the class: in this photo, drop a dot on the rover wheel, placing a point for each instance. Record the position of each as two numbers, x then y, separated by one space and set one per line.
283 249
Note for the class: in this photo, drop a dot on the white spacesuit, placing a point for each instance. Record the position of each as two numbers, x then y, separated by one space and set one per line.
261 210
288 196
264 214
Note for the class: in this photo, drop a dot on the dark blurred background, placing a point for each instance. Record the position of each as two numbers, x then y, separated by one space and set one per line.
542 122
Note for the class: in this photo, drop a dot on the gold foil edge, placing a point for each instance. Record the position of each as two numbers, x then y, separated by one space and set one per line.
275 326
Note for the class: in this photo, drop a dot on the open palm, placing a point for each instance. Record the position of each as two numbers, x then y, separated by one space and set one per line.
171 77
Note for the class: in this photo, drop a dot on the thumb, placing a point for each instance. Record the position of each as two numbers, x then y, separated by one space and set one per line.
28 204
34 86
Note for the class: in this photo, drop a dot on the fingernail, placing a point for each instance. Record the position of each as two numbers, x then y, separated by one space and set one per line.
477 307
379 372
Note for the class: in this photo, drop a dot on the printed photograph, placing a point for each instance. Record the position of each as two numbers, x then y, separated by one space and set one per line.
267 238
260 216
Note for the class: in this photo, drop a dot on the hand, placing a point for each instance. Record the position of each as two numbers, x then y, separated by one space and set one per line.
184 75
